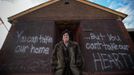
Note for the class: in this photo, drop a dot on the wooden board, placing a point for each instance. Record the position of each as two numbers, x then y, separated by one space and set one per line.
28 48
106 46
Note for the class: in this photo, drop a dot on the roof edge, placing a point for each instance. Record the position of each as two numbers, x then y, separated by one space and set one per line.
10 19
122 15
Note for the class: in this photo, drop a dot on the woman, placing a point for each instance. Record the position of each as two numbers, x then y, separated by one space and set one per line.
67 59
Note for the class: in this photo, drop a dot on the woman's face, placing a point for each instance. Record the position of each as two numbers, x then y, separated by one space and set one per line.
65 37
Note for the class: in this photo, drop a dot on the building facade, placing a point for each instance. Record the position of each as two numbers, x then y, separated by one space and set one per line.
104 41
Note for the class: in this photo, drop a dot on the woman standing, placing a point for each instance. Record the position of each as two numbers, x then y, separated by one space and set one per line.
67 58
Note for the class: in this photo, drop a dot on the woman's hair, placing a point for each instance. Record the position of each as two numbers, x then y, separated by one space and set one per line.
66 31
69 33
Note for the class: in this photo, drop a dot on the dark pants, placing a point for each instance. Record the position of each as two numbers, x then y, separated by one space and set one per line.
67 71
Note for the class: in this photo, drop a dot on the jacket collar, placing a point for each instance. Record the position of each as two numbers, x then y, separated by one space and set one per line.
69 43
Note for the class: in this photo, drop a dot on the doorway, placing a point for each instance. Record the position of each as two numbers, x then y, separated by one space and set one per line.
71 25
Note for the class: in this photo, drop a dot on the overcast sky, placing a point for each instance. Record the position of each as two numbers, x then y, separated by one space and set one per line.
12 7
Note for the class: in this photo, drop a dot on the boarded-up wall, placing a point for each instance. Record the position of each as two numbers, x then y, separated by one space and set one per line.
106 47
28 48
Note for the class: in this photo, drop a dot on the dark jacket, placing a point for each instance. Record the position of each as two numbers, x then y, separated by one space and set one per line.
69 56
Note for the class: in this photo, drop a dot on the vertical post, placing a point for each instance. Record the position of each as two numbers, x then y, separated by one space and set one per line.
3 24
